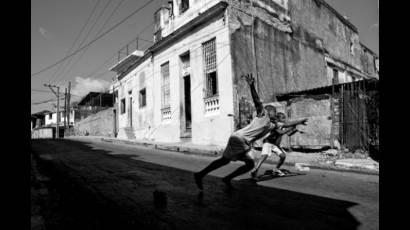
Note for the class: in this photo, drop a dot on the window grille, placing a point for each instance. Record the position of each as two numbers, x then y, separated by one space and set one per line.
209 59
165 85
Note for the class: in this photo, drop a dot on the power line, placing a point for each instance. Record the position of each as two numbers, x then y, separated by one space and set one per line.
94 40
46 101
115 54
76 39
45 91
82 42
99 31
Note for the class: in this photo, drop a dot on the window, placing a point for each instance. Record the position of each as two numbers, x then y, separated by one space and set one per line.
184 6
335 76
185 63
142 95
209 59
50 116
115 96
122 106
165 86
142 98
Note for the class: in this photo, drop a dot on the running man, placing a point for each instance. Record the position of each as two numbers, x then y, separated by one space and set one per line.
239 143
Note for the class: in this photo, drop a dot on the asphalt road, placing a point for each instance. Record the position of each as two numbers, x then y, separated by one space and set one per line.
110 186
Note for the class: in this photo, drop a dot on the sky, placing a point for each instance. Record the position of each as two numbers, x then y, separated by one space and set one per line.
56 25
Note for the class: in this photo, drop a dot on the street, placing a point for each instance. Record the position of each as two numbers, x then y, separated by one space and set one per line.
110 186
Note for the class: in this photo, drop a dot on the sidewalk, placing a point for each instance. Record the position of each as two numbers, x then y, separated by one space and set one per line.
320 160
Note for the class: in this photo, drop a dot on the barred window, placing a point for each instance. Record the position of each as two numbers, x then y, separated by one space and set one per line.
165 85
209 59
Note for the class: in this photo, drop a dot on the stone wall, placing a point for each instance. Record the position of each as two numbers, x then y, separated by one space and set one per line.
99 124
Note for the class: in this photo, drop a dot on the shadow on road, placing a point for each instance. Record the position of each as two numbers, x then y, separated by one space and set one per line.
100 190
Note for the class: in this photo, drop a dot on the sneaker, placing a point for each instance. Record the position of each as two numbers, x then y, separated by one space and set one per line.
279 173
269 172
198 181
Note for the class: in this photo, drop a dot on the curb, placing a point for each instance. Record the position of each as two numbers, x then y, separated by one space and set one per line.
215 153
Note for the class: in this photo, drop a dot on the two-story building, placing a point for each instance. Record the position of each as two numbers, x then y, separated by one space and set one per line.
187 85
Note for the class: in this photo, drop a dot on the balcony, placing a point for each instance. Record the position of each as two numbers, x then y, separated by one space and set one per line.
128 49
211 105
166 113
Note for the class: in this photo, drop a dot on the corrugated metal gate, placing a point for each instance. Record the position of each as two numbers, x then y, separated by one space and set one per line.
359 114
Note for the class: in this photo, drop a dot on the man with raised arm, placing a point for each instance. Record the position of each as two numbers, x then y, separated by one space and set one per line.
240 142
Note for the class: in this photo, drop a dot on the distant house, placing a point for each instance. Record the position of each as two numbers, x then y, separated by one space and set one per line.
39 119
51 117
94 102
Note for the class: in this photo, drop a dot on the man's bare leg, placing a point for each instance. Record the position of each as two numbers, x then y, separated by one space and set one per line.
282 158
211 167
254 171
249 164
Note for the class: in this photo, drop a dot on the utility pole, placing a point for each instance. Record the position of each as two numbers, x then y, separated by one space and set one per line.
68 105
58 106
65 110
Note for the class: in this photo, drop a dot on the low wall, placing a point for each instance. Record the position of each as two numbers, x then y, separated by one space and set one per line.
99 124
41 133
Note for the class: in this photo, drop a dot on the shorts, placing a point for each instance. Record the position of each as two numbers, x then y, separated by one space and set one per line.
268 149
237 149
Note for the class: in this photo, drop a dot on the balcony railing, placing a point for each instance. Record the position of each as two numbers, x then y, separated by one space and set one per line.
132 46
166 113
211 104
128 49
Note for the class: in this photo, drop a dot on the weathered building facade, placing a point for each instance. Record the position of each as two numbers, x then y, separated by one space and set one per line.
187 85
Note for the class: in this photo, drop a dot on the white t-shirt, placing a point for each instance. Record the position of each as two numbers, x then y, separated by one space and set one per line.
258 128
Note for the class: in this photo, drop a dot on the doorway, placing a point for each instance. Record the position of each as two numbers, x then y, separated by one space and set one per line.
130 112
187 102
115 128
185 115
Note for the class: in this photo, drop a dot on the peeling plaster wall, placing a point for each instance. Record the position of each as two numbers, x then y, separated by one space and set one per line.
317 133
290 45
284 64
368 62
311 20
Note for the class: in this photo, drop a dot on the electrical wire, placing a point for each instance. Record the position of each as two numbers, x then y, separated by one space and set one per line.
62 75
94 40
76 39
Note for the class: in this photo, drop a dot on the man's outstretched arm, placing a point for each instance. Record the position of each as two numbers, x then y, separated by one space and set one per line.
256 100
286 130
294 123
